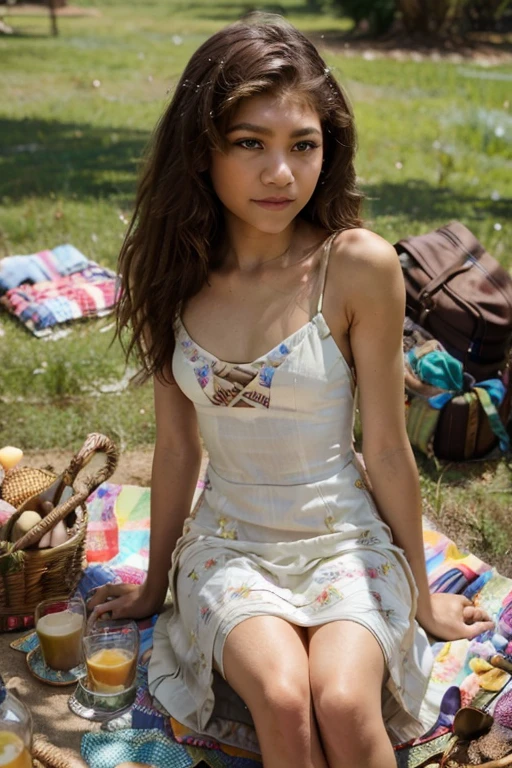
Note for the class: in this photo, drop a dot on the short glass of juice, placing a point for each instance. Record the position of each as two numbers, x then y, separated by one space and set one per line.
111 651
15 731
60 623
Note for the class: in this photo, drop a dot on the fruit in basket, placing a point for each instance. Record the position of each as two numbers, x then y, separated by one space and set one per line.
25 522
59 534
10 456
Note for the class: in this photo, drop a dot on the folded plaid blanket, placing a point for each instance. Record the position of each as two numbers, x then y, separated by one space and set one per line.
41 266
52 287
92 291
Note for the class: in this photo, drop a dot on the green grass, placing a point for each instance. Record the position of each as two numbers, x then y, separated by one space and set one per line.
75 115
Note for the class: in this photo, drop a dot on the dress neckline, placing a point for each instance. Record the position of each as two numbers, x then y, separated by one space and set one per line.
286 342
326 247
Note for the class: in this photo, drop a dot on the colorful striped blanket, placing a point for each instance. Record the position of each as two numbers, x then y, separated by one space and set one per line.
464 672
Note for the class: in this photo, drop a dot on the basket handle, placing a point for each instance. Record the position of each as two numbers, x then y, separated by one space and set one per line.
49 755
94 443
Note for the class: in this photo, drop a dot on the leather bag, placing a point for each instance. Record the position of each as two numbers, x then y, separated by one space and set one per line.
461 295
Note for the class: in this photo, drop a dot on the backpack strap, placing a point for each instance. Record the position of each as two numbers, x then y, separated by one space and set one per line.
492 414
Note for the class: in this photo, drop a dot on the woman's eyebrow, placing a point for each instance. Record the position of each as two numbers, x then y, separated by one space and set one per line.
306 131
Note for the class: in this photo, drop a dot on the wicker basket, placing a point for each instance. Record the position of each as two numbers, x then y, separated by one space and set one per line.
456 755
22 483
46 755
28 576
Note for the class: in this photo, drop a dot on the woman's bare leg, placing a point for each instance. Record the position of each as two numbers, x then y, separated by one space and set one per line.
266 662
346 670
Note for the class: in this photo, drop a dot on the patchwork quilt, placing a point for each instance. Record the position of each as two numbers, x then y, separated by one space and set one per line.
464 671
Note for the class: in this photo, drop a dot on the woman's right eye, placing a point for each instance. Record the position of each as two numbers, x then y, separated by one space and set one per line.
248 143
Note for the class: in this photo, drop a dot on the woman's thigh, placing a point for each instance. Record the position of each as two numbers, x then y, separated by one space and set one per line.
264 653
347 671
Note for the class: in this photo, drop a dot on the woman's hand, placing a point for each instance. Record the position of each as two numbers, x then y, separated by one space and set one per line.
124 601
453 617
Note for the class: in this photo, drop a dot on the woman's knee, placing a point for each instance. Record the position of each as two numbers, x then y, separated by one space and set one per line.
287 697
347 714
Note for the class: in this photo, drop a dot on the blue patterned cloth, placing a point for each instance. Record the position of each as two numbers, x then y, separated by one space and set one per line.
106 750
152 747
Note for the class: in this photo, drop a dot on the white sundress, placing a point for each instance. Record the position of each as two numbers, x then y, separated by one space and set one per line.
285 526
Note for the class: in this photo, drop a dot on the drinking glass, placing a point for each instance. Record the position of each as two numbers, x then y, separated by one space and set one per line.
111 651
15 731
60 623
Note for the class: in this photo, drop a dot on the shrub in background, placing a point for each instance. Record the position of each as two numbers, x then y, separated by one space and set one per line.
378 14
426 18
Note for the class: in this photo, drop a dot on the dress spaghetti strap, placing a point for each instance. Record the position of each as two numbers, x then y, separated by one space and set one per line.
325 264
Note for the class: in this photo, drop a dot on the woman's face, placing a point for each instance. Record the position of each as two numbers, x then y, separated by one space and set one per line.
271 162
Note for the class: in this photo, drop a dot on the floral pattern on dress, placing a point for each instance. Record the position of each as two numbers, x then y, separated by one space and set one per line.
366 540
203 374
266 375
205 613
245 385
327 595
190 350
227 528
201 664
330 523
334 574
243 591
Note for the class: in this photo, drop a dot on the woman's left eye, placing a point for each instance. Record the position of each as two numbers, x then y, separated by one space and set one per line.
305 146
248 143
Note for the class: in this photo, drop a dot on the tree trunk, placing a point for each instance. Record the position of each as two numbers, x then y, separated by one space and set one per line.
52 4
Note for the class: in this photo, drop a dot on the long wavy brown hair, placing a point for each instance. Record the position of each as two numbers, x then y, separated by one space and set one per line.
175 236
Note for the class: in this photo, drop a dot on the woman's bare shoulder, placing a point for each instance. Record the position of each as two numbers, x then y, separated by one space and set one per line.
362 259
360 247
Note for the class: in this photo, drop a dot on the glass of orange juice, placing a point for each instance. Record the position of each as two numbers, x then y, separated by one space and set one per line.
15 731
111 651
60 625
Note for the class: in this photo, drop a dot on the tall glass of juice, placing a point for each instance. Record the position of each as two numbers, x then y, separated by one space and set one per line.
15 731
111 652
60 626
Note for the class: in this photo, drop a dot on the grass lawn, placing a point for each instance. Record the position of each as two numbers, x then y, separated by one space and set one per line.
75 115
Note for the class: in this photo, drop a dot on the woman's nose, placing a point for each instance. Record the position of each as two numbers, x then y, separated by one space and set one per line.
277 171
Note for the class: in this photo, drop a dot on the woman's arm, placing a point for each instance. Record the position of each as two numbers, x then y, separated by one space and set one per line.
176 465
375 308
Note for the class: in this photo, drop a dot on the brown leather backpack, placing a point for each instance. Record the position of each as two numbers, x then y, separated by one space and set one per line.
461 295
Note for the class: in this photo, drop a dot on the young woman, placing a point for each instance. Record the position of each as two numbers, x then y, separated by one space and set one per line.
257 301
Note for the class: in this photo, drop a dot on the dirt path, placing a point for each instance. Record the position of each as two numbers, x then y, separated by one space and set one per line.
134 466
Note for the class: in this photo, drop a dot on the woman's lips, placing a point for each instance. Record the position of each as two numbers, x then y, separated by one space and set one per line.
274 204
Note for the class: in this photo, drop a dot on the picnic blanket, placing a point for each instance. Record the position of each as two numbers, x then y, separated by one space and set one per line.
51 287
464 671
